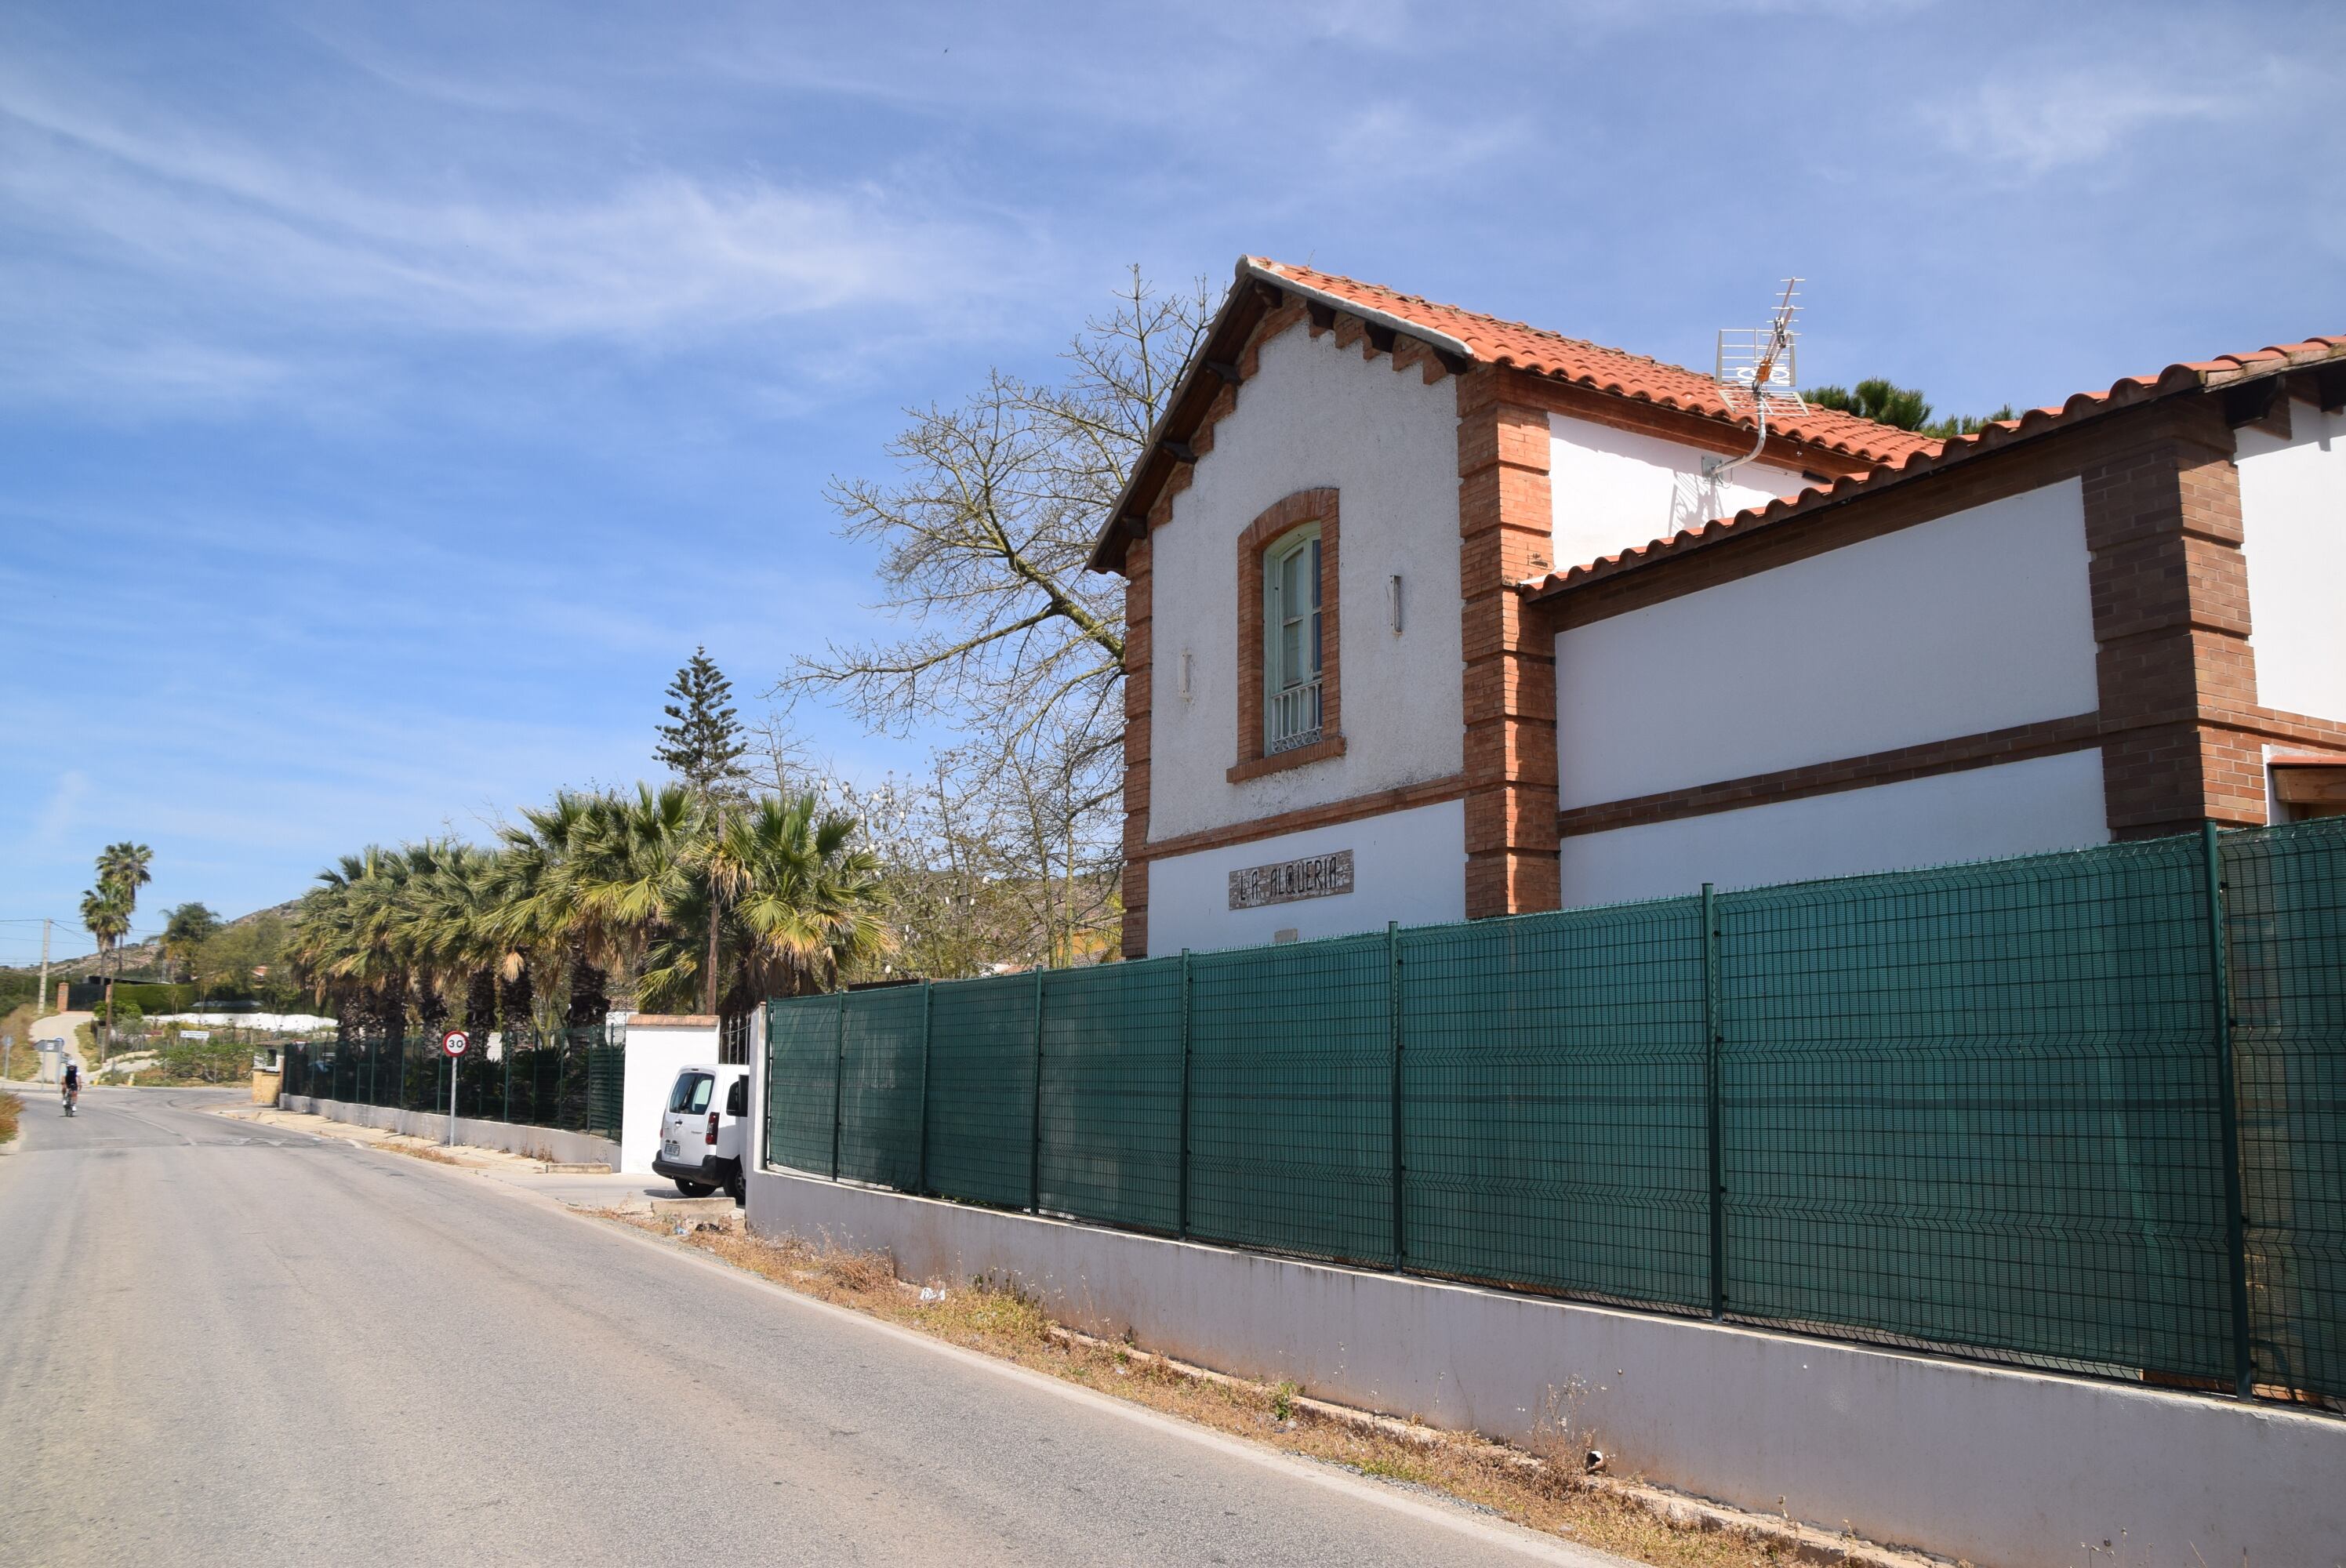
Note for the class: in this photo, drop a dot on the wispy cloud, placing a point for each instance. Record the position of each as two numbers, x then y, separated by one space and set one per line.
2044 122
658 253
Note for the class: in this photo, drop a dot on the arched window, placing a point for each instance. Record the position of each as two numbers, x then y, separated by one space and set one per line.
1291 641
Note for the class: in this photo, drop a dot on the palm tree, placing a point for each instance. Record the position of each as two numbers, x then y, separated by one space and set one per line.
350 939
797 901
106 915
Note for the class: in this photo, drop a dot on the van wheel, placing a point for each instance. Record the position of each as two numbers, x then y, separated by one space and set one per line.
694 1189
736 1187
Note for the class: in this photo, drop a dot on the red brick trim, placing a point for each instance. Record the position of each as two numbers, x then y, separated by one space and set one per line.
671 1021
1319 750
1508 689
1304 506
2018 743
1401 798
2171 599
1139 615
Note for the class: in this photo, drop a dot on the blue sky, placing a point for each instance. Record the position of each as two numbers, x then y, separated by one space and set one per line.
391 396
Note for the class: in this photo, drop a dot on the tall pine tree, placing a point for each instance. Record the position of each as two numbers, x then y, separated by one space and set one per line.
702 745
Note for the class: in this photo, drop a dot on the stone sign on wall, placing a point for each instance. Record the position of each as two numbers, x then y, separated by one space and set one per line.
1312 877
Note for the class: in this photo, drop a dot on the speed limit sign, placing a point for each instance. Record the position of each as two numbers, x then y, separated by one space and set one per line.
455 1042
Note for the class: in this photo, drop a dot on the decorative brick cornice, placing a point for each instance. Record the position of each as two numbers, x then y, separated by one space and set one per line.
1402 798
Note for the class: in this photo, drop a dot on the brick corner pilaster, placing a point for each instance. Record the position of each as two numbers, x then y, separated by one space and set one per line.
1505 529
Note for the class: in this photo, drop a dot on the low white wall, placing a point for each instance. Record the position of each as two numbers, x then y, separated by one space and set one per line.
655 1052
2009 1469
2013 809
1409 865
513 1137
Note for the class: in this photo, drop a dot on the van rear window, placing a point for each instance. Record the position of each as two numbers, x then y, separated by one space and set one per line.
691 1091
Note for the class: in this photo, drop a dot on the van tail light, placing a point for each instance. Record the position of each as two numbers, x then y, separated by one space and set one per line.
712 1129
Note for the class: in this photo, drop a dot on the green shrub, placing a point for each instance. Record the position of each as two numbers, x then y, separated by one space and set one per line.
157 998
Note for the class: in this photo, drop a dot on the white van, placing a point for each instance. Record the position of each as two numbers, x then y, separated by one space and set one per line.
705 1131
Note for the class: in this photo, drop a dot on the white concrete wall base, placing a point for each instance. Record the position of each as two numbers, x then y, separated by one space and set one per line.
513 1137
2008 1469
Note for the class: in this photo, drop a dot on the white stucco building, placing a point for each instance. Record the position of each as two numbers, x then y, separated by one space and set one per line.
1434 617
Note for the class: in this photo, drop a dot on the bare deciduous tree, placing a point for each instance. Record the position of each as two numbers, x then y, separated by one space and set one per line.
983 541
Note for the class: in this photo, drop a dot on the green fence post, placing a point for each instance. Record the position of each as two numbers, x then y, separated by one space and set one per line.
1035 1138
1181 1149
1714 1044
2228 1100
928 1022
838 1082
505 1052
1392 1029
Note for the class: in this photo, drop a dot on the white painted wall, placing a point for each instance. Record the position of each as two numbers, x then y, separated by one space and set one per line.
1613 490
1409 865
2015 809
1971 622
2293 528
654 1056
1314 415
1994 1465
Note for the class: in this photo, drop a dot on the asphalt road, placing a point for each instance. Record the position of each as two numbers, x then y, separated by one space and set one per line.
224 1343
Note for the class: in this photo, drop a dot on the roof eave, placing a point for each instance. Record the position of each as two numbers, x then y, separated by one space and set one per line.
1221 343
2080 411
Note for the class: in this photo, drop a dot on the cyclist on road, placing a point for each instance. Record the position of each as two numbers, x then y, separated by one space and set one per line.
71 1087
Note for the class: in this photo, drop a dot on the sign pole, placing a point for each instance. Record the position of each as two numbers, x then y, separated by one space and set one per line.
451 1046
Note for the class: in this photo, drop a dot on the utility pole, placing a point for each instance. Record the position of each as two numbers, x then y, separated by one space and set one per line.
42 1001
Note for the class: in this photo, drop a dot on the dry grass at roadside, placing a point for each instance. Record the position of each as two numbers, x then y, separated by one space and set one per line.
988 1318
23 1062
12 1112
399 1145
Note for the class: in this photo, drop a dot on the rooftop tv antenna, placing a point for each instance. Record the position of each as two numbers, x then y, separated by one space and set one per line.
1757 375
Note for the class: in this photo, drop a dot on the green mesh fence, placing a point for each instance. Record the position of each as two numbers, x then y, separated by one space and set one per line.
981 1113
1983 1108
1291 1098
879 1086
1110 1121
801 1081
2285 903
1555 1113
570 1080
1979 1106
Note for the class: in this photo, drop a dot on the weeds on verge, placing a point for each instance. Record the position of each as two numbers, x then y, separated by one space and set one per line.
432 1151
993 1317
12 1111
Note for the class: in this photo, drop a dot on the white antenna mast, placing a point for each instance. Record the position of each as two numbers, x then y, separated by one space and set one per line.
1757 372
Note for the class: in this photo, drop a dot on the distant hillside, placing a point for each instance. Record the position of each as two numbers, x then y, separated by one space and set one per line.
144 960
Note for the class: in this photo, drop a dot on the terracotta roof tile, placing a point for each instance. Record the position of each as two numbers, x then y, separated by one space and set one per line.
2187 376
1494 341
